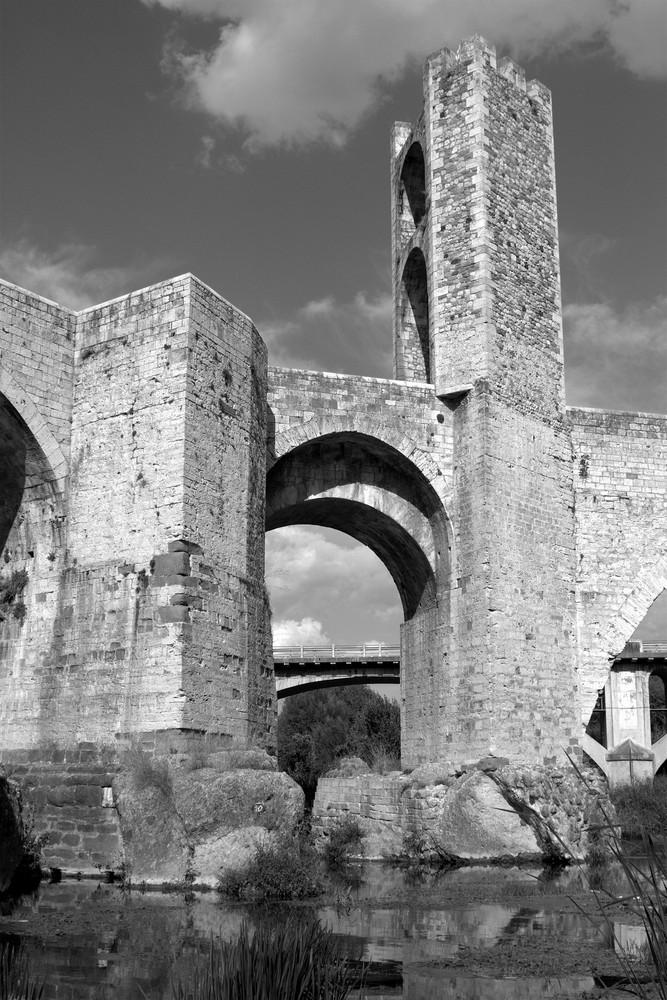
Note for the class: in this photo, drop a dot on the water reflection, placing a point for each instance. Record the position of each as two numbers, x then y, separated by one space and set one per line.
92 940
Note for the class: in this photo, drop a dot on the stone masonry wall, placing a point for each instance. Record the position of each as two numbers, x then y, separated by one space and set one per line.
513 684
494 275
620 475
228 679
470 810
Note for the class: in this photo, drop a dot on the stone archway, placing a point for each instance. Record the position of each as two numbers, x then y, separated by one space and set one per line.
370 490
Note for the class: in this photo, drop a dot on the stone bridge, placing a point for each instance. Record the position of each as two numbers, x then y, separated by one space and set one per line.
146 446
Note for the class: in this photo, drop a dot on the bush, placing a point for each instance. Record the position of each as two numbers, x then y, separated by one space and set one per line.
342 841
290 869
16 982
641 807
276 962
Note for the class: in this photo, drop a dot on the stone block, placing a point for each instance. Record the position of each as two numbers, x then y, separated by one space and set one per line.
171 564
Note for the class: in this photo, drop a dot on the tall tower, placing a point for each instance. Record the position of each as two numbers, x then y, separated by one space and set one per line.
477 314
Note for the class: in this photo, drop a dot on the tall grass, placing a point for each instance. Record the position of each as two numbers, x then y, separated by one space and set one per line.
641 807
16 982
646 877
289 961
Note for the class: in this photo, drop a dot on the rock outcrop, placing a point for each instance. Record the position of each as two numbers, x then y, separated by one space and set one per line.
185 826
487 810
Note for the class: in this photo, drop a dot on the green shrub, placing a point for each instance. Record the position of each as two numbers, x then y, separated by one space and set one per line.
342 841
641 807
16 982
290 869
289 961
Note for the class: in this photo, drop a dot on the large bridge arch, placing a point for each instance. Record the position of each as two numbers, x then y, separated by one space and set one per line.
377 493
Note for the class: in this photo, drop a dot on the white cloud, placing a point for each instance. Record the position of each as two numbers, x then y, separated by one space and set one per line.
617 359
68 274
298 71
334 336
317 574
307 632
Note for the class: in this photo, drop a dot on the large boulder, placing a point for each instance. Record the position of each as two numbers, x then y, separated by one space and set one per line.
11 827
476 822
186 826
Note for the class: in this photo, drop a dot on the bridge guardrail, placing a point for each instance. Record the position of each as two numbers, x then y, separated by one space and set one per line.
364 651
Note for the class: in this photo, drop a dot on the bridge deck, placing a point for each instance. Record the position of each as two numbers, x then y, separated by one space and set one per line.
363 653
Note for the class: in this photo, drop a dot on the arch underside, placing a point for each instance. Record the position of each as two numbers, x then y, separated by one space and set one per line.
326 682
372 493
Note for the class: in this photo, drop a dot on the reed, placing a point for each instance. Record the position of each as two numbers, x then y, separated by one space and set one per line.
289 961
16 981
646 877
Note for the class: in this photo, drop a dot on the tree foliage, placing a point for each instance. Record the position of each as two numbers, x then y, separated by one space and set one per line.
317 728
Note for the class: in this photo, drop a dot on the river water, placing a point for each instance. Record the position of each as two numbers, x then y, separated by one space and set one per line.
470 934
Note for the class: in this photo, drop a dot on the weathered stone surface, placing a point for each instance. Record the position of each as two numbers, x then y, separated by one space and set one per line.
11 850
181 829
217 855
481 813
477 822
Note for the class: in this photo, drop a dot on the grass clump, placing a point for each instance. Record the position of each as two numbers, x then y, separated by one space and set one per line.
149 772
287 869
16 981
641 807
289 961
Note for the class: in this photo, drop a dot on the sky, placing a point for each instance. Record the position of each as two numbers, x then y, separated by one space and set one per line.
247 141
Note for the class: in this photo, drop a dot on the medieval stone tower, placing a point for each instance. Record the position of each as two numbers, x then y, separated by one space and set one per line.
146 446
477 314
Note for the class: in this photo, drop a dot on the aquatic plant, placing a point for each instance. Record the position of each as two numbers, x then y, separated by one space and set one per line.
289 961
16 981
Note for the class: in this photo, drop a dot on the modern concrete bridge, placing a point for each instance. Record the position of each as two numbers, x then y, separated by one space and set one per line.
303 668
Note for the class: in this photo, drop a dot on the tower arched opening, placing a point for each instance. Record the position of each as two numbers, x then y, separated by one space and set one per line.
414 319
413 179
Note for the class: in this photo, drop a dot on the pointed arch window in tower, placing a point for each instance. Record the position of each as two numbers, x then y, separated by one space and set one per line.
413 176
414 318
